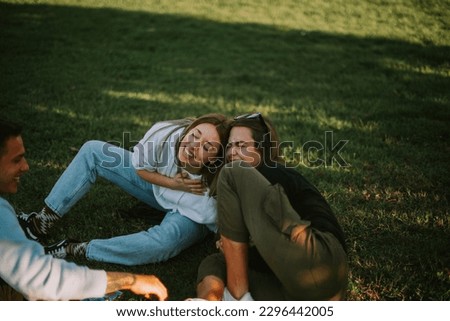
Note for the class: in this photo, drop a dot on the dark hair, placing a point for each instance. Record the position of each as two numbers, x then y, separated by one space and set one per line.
222 123
8 129
264 134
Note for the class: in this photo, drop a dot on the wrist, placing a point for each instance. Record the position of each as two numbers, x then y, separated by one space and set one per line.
227 296
129 281
119 281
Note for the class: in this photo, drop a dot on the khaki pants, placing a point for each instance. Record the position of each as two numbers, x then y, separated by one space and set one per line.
307 264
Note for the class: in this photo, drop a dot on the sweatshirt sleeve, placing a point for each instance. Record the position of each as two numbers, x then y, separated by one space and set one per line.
26 268
41 277
154 151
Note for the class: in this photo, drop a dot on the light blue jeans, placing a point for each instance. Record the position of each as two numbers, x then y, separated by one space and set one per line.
158 243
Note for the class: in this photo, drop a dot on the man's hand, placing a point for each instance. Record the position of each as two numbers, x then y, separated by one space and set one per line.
140 284
148 286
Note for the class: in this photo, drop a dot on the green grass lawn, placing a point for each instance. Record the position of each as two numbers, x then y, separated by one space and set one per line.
373 73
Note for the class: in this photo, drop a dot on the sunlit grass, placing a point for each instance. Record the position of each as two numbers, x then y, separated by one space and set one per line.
160 97
394 19
443 71
373 73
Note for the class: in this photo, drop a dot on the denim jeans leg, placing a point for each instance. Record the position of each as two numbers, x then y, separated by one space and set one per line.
94 159
159 243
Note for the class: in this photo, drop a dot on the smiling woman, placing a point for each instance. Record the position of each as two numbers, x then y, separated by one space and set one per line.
174 168
280 240
199 147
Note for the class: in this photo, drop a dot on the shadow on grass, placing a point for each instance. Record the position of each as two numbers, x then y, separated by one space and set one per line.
71 74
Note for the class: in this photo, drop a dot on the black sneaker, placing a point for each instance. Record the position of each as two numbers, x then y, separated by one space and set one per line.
57 250
27 226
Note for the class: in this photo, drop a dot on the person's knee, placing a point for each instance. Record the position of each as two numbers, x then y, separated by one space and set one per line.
236 167
233 171
210 288
92 147
95 152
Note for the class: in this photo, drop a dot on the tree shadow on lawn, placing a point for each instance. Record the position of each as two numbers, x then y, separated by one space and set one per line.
116 53
72 74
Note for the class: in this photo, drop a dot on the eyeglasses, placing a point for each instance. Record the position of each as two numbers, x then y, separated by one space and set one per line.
254 116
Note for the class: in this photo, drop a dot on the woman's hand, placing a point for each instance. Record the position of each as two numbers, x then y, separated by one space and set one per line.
183 183
219 244
180 182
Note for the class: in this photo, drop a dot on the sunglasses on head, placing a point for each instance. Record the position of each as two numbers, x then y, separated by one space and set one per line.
254 116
